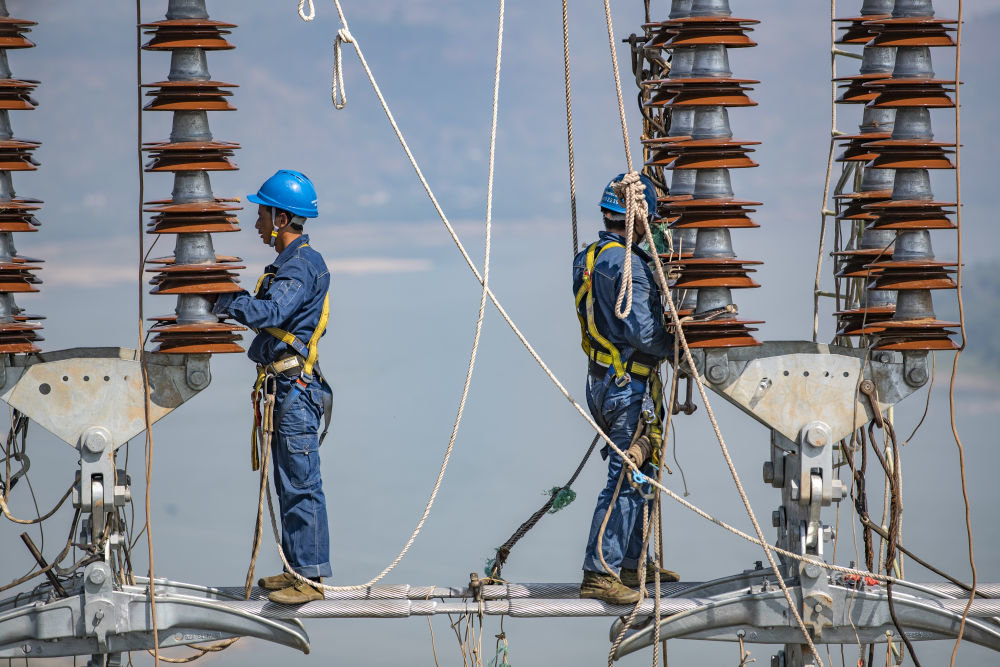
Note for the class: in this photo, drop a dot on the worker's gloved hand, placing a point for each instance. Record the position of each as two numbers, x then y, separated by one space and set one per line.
639 451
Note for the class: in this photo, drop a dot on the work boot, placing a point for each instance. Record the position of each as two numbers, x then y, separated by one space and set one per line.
276 582
605 587
300 593
631 577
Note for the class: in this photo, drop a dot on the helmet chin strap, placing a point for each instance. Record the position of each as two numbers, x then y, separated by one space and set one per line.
274 237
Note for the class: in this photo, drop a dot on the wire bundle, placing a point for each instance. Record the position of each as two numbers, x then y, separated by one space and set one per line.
194 273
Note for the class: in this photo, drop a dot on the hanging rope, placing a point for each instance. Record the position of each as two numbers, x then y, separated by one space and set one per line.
337 84
569 126
303 14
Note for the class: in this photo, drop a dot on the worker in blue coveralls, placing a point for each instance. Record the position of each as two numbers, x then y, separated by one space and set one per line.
622 383
289 311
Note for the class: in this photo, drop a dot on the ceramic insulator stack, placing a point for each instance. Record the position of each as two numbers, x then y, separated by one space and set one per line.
194 273
700 150
18 330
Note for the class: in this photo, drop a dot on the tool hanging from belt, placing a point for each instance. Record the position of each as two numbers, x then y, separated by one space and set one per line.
299 365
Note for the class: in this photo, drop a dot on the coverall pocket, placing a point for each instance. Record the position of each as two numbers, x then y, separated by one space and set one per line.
298 429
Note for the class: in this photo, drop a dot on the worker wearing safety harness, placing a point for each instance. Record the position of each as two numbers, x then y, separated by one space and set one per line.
289 312
623 393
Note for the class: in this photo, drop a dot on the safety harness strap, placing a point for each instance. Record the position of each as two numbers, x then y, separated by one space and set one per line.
588 328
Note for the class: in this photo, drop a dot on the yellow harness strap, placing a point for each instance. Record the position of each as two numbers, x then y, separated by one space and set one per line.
588 328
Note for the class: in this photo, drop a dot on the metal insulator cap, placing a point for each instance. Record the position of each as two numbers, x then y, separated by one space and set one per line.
680 9
877 7
682 182
711 123
194 309
189 65
913 62
713 184
711 298
912 184
191 186
879 298
190 126
681 122
710 8
681 62
194 248
913 244
876 119
715 242
711 60
915 304
186 9
878 60
8 309
874 179
913 123
877 239
912 8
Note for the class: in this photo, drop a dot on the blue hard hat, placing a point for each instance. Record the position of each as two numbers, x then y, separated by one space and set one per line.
289 190
610 201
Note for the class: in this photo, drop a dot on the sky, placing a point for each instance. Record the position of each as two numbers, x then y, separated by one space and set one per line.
404 302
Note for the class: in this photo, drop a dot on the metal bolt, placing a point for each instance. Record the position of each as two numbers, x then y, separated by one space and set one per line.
717 373
816 436
818 608
26 648
97 576
98 615
917 375
885 357
768 472
96 440
776 518
198 378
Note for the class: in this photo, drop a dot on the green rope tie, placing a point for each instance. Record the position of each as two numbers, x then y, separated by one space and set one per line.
502 654
561 497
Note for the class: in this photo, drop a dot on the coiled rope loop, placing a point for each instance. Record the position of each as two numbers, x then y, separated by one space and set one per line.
630 190
337 85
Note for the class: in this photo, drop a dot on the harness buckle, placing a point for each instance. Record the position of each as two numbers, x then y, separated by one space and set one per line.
623 381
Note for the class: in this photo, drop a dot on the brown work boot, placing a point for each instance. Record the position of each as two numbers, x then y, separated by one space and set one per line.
276 582
631 577
605 587
300 593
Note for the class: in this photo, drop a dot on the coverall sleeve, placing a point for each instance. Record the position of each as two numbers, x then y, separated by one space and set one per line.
644 328
287 294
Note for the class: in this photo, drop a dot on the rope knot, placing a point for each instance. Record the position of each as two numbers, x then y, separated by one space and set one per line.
344 35
630 191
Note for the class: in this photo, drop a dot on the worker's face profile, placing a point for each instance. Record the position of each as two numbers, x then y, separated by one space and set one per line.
264 224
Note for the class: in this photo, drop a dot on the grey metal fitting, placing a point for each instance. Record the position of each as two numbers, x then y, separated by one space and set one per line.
7 249
5 72
714 242
713 184
768 473
6 131
913 244
681 125
8 308
717 373
681 62
839 490
912 184
187 9
123 495
6 186
874 179
775 517
97 576
710 123
680 9
877 7
877 60
192 186
194 309
190 126
189 65
912 8
913 62
682 183
96 439
711 60
710 8
878 298
194 248
817 434
915 367
874 119
913 123
914 304
710 298
198 371
877 239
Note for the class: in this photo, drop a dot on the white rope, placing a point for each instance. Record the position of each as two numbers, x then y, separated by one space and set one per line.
312 10
630 190
337 85
545 368
475 343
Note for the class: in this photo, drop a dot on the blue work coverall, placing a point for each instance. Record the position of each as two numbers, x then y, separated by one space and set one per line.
292 299
617 409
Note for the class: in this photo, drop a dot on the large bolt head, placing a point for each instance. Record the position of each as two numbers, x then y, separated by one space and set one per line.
96 440
816 436
97 576
717 373
768 472
917 376
776 518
